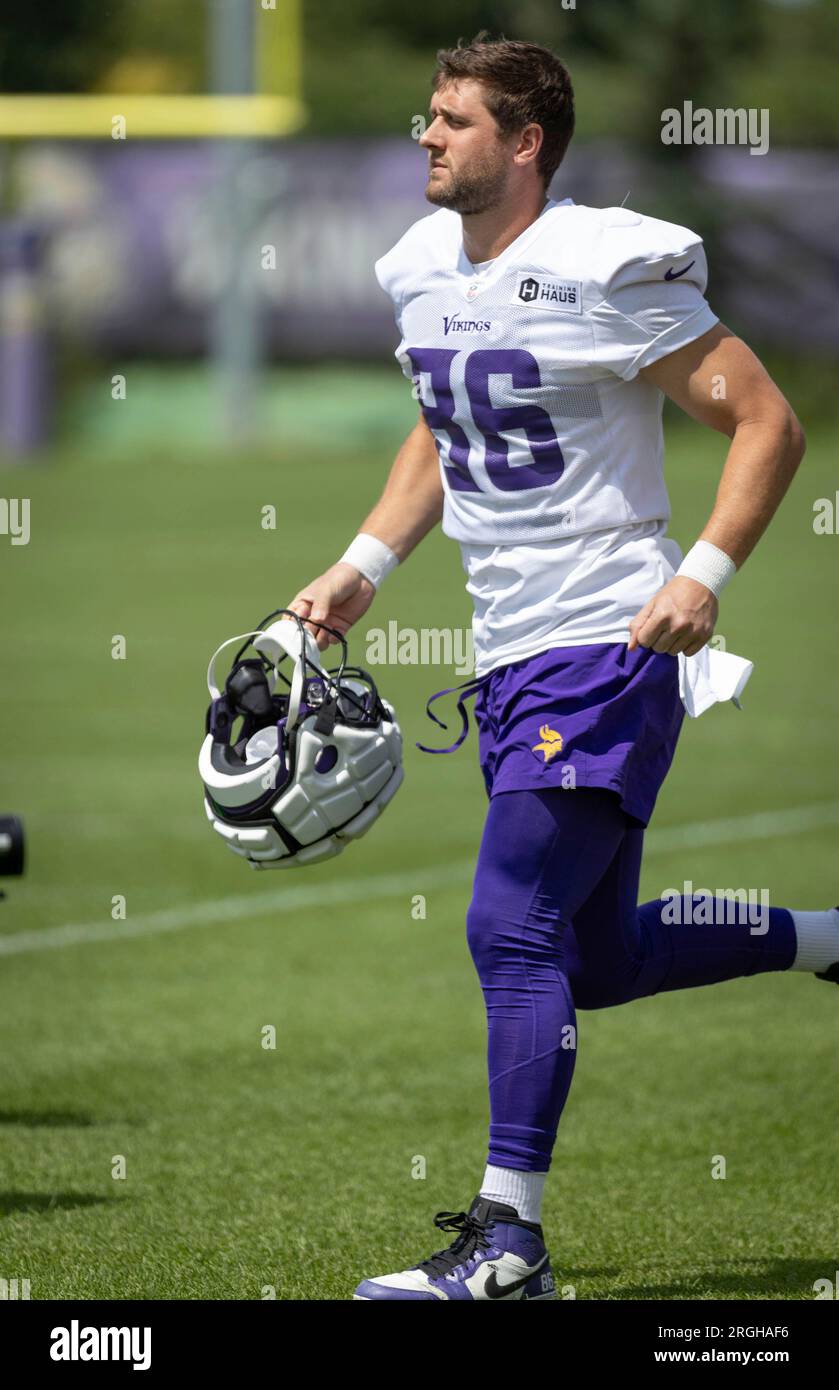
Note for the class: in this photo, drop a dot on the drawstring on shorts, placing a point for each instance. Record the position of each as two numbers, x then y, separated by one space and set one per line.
468 689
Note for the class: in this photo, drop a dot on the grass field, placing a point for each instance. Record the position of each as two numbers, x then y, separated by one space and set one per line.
291 1168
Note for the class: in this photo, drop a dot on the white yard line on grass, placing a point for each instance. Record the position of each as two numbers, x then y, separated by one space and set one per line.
763 825
296 897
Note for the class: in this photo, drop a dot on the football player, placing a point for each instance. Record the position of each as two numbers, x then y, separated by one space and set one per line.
542 337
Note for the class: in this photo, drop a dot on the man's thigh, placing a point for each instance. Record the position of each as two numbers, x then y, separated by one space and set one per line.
544 853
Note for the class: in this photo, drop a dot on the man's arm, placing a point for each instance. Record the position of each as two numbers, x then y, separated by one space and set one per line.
767 445
410 505
412 501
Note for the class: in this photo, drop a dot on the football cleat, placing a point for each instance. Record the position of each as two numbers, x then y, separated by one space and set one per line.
496 1256
297 761
832 971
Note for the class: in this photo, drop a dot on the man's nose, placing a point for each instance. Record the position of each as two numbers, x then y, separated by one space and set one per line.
431 136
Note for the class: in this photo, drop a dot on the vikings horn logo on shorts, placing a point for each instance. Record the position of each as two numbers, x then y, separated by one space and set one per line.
551 742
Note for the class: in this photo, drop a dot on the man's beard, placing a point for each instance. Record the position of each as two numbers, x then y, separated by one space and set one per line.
477 191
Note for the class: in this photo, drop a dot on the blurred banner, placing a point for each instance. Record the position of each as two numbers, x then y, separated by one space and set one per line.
136 251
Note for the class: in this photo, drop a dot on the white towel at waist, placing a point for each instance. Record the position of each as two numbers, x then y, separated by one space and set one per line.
711 676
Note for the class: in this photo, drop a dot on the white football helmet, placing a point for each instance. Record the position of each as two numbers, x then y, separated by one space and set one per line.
312 765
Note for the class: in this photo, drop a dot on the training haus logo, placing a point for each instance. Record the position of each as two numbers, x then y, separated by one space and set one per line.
75 1343
539 293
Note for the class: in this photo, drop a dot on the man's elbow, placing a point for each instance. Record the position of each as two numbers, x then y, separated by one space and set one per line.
781 427
795 442
787 433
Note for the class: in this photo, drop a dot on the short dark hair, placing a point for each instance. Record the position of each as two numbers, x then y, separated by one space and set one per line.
524 83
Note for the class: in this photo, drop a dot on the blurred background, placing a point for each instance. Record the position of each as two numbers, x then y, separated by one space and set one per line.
198 405
173 253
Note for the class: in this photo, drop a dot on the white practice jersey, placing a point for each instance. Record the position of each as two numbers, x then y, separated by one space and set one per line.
550 445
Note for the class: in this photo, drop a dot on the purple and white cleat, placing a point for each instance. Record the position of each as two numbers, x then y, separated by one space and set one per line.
496 1255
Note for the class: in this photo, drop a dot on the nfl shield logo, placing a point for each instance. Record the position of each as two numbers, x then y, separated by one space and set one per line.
472 291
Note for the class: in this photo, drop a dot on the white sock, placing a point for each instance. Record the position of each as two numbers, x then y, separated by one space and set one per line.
520 1190
817 934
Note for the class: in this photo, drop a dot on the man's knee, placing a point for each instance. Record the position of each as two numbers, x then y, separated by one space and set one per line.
482 935
504 936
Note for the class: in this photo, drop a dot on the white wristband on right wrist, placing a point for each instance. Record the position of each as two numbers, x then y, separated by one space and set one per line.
708 565
371 557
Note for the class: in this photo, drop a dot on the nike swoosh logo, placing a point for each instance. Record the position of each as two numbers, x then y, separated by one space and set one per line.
675 275
492 1288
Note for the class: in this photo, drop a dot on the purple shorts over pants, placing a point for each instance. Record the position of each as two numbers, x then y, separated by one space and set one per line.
611 715
617 714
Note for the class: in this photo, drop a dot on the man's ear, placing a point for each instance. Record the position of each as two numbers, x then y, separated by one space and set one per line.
530 143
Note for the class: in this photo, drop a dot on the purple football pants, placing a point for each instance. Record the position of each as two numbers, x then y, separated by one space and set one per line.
554 924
